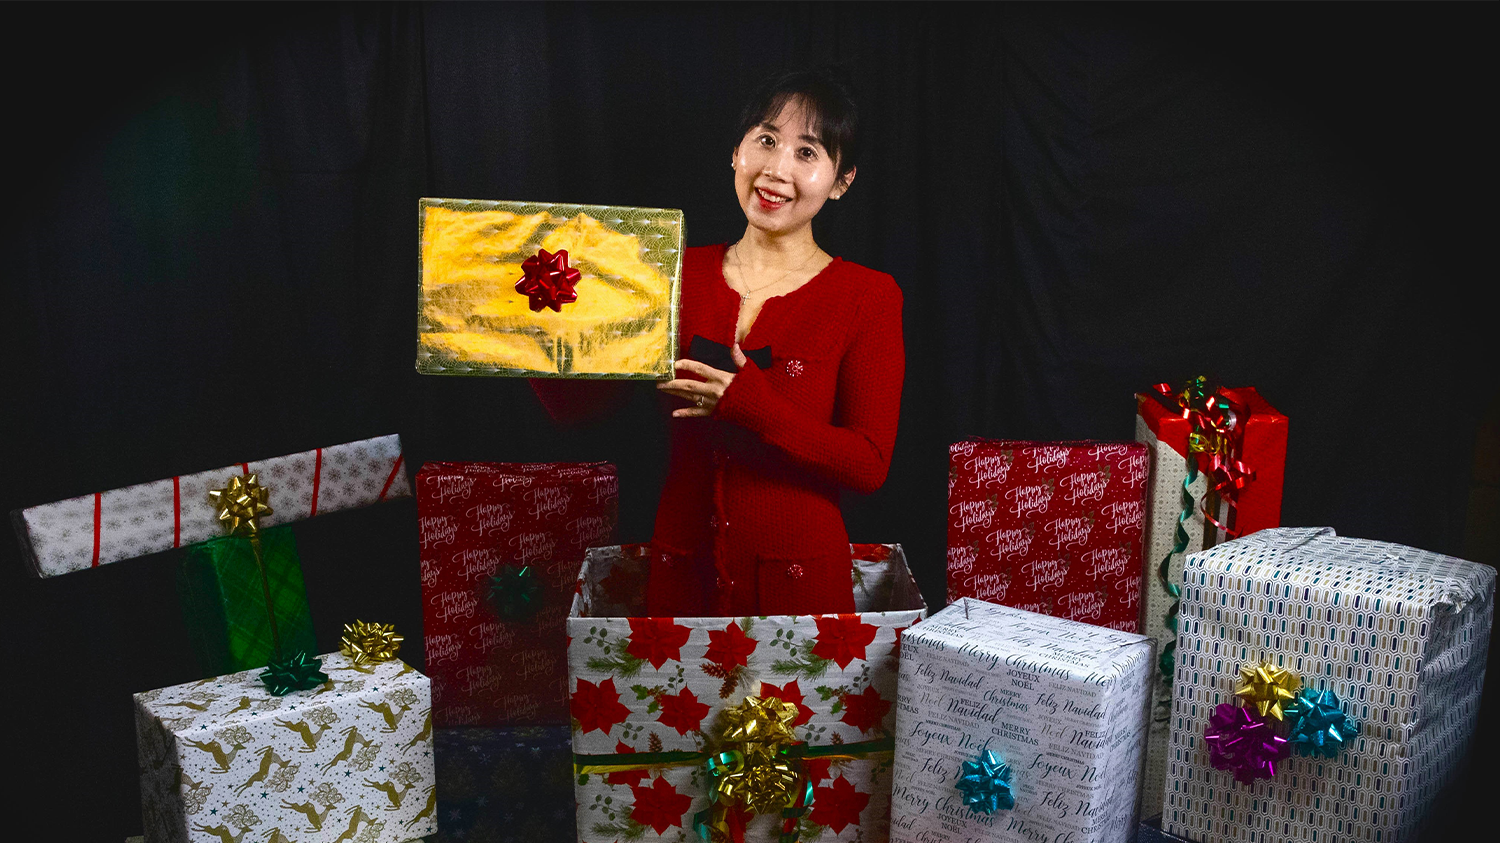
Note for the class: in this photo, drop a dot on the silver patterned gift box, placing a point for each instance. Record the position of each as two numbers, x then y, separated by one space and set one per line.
92 530
349 761
1399 635
1062 703
660 686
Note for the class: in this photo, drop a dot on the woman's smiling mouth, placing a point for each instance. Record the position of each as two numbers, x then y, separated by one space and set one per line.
770 201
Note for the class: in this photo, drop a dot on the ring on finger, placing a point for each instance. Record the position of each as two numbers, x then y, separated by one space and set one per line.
700 401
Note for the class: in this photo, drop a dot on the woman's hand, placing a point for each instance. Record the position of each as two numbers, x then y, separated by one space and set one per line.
704 394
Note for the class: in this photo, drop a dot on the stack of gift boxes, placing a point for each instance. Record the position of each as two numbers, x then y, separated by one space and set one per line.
276 742
1130 632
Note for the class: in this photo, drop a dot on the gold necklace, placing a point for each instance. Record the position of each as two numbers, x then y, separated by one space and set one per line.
739 270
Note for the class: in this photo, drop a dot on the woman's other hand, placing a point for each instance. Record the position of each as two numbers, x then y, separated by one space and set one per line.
704 395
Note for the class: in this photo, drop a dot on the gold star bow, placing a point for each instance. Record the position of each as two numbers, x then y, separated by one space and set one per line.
367 643
241 504
755 770
1266 688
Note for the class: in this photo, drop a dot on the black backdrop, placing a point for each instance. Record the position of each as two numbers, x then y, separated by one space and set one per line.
209 255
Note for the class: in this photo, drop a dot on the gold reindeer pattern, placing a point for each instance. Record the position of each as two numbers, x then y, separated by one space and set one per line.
350 761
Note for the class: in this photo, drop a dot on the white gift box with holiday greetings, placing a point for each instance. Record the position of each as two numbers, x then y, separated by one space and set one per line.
659 685
91 530
1062 703
349 760
1399 635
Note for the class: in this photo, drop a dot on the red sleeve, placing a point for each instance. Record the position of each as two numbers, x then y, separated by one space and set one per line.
578 401
855 450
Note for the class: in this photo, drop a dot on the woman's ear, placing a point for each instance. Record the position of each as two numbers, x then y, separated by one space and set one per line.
841 184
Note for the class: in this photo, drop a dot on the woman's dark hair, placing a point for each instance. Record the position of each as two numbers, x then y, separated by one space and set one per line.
829 99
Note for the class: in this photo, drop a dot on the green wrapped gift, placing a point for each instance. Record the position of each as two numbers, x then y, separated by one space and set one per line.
225 601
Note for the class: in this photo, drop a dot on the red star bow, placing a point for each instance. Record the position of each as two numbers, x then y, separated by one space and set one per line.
548 281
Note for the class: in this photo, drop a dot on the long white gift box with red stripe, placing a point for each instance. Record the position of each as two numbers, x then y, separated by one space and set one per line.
659 685
93 530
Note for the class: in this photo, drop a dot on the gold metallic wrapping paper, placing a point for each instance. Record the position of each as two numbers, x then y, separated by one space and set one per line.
471 320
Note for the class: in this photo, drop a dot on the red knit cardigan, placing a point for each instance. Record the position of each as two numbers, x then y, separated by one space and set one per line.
749 522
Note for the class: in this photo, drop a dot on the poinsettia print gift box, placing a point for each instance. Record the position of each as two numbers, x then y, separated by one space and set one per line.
668 689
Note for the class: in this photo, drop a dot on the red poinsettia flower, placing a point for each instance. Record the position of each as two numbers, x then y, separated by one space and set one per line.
656 640
864 711
816 770
842 638
625 584
838 805
682 711
626 777
730 647
598 706
660 806
872 552
790 692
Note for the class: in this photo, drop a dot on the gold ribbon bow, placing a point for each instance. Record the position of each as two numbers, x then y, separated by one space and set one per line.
367 643
757 770
241 504
1266 688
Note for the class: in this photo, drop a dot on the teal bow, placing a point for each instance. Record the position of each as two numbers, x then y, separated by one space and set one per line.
516 593
985 784
298 672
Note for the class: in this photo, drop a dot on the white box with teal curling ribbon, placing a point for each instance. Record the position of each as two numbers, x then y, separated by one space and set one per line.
1063 704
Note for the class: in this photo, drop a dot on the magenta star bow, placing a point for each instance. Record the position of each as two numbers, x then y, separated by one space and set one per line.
1242 742
548 280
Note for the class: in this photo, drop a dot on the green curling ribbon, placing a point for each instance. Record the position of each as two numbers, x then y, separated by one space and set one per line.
298 672
516 593
1168 661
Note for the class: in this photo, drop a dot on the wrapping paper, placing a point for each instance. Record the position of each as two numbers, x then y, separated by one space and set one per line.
351 760
644 684
224 601
1049 527
504 785
1165 434
473 321
1065 704
92 530
1400 635
474 519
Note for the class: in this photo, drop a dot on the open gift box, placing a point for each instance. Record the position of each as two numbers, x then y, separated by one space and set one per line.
658 689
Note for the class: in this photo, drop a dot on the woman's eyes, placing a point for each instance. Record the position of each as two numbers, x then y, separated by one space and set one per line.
806 153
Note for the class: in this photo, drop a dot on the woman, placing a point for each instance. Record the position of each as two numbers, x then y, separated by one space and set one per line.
793 382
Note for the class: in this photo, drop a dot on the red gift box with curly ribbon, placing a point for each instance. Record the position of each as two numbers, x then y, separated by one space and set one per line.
501 545
1049 527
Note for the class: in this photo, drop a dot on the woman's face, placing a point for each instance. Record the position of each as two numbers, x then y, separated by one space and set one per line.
782 174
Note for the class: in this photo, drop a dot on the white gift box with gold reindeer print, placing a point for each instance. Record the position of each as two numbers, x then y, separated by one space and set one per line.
350 761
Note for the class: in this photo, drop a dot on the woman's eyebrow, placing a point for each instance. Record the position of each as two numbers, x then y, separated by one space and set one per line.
810 139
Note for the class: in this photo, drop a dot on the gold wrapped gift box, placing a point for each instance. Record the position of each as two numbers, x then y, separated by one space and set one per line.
473 321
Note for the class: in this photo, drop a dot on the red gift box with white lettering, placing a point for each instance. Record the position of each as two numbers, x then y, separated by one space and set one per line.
1049 527
477 519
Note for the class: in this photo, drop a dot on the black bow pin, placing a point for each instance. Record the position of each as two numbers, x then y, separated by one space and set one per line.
719 355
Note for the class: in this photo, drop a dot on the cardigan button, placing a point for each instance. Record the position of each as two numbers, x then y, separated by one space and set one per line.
793 368
794 572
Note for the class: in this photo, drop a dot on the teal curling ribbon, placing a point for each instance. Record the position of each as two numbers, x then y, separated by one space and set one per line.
1317 725
985 784
516 593
298 672
1168 661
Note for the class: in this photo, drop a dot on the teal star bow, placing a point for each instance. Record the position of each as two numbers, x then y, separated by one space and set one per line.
1317 725
516 593
985 784
295 673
